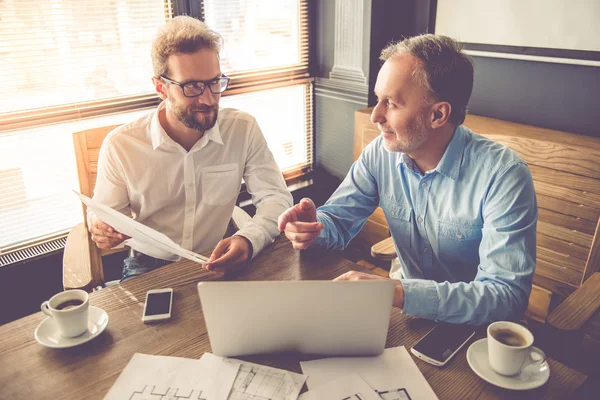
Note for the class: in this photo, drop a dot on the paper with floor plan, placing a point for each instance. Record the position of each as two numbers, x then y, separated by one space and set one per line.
393 374
349 387
142 237
256 381
161 377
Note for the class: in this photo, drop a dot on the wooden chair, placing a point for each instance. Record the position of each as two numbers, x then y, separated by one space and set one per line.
566 174
82 261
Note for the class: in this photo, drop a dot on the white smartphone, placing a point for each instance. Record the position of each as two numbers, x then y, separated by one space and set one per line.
442 342
158 305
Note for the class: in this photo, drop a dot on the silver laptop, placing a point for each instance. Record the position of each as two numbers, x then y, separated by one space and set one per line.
311 317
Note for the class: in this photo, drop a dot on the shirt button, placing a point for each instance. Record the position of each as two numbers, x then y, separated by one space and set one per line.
420 219
459 236
424 184
426 250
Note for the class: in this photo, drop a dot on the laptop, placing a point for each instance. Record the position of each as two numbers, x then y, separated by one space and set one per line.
341 318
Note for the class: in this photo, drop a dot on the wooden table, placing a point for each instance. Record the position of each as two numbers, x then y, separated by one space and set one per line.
30 371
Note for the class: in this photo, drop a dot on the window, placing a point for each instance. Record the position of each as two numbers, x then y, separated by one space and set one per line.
66 66
266 55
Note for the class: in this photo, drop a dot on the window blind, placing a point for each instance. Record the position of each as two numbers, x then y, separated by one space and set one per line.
266 42
67 59
64 65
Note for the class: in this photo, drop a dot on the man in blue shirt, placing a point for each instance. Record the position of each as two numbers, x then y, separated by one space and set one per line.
461 208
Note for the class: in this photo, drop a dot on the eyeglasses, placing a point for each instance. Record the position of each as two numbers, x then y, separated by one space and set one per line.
196 88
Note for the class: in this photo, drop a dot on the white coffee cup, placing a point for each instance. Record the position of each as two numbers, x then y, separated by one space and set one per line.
70 311
510 345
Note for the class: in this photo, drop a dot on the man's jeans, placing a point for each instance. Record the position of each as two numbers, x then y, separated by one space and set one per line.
138 263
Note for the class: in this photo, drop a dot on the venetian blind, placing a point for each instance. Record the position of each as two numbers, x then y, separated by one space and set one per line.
266 42
67 59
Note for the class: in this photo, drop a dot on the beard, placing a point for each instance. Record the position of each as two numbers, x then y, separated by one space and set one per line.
414 135
198 117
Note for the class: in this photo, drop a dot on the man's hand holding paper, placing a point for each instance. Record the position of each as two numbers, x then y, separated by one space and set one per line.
138 236
104 235
230 254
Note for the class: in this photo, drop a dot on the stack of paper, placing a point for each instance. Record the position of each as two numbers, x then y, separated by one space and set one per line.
391 376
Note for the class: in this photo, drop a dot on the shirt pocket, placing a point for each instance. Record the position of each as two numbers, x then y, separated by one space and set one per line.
399 219
220 184
458 240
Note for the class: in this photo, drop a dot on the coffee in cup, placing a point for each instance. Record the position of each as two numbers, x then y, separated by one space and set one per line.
509 337
510 348
69 304
70 311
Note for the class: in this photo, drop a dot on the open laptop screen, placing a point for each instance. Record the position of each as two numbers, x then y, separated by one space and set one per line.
311 317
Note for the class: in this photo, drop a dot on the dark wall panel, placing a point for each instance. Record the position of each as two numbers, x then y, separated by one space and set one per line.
556 96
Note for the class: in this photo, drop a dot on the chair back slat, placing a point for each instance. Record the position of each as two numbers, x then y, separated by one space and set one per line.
564 179
566 221
567 208
87 145
578 197
563 246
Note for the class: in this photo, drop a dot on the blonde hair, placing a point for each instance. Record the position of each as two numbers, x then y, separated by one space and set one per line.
444 70
182 34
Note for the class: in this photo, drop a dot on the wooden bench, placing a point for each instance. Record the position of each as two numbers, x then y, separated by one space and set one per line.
566 174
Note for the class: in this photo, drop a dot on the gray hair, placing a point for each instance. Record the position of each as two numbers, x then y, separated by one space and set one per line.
444 70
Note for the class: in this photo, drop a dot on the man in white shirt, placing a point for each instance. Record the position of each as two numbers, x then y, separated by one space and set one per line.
179 169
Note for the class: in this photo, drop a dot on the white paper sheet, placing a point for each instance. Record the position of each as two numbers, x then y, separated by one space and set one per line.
148 376
349 387
257 382
389 372
142 237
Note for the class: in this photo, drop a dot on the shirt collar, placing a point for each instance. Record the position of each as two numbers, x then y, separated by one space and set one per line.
159 136
214 133
451 161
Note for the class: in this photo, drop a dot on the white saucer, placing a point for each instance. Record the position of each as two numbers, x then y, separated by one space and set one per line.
47 332
530 377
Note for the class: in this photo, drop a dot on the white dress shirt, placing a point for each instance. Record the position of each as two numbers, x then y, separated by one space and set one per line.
189 196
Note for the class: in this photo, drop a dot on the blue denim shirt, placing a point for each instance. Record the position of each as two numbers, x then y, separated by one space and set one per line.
465 232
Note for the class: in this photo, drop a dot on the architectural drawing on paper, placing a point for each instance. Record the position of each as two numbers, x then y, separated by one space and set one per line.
356 396
150 392
394 394
262 383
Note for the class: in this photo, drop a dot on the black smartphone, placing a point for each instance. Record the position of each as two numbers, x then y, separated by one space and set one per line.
442 342
158 305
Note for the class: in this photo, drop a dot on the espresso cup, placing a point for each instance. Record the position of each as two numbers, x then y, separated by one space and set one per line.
70 311
510 348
